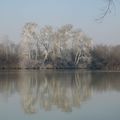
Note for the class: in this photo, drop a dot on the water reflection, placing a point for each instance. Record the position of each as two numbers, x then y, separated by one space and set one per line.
64 90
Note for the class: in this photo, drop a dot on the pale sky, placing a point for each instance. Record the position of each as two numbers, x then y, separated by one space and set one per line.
81 13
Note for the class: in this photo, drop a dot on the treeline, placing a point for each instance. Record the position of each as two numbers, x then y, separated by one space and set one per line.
60 48
46 47
105 57
9 55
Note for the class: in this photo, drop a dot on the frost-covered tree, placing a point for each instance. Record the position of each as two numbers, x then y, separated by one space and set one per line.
65 44
46 40
81 47
28 43
8 53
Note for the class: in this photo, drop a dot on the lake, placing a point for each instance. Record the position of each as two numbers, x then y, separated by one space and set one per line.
59 94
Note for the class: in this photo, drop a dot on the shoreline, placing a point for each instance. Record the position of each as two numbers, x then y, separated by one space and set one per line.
56 69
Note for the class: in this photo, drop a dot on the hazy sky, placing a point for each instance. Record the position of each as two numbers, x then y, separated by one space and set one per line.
81 13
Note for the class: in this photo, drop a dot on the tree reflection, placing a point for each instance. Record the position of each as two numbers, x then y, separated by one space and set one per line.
48 89
63 90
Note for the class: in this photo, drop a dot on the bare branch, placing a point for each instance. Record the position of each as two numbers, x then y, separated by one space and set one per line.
107 10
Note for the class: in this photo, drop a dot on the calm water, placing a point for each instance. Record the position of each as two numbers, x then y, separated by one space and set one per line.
59 95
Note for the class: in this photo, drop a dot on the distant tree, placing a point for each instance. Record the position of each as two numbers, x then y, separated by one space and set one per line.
100 56
9 56
114 58
106 57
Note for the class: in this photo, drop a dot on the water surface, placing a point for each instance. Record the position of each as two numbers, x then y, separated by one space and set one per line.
61 95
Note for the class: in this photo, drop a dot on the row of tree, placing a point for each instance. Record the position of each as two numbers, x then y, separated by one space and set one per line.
105 57
9 57
64 47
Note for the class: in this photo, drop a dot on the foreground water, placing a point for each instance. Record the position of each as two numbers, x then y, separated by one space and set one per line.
61 95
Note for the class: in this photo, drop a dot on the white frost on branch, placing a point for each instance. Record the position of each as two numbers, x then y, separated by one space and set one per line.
38 44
